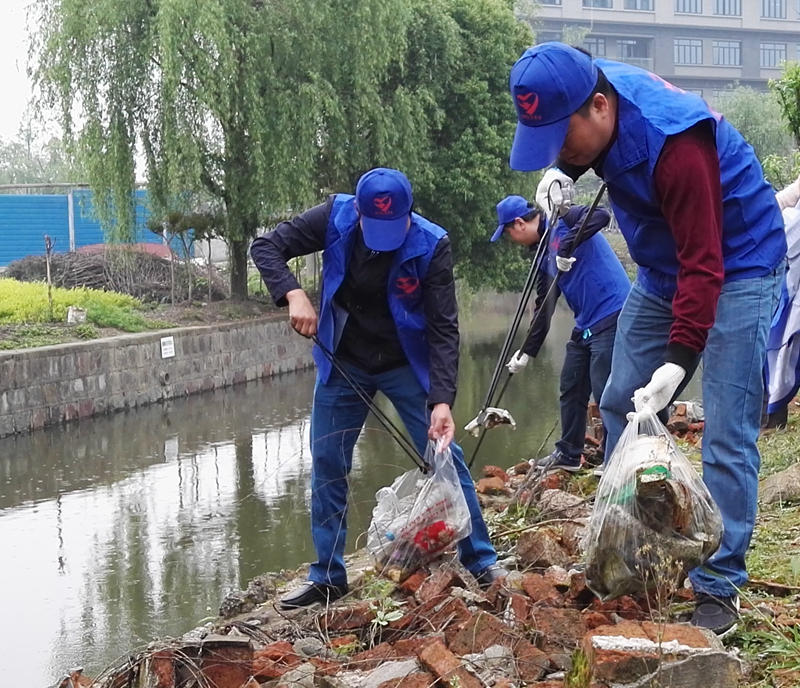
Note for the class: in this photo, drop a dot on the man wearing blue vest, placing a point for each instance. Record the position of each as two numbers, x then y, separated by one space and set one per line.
388 311
595 287
705 230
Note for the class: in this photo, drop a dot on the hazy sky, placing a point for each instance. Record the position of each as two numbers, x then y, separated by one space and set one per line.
14 85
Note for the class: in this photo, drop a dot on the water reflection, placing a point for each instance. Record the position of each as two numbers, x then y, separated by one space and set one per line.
129 527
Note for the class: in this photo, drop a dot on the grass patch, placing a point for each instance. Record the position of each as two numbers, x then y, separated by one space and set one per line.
27 303
30 336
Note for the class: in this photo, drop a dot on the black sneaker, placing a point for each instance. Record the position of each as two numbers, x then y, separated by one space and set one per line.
716 613
557 462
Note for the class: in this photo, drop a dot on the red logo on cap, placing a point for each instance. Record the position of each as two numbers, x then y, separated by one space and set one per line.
383 204
528 102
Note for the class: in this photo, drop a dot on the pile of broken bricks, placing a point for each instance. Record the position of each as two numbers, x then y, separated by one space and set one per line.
543 629
541 626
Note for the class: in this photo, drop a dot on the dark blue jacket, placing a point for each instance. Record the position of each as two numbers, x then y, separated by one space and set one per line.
405 281
650 110
420 286
596 287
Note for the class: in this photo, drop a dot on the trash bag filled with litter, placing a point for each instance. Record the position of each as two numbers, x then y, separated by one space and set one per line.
653 518
418 517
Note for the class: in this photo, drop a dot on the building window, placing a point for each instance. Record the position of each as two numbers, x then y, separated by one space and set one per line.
596 46
638 5
688 51
773 54
728 7
728 53
773 9
550 2
608 4
689 6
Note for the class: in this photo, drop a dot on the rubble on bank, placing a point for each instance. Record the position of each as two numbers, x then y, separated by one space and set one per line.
541 626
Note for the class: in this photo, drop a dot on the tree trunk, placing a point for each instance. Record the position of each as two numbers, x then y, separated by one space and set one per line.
237 250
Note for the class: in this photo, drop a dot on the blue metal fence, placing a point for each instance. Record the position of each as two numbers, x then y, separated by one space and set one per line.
25 219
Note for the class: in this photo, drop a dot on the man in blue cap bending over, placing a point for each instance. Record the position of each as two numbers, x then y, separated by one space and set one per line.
388 311
595 287
705 230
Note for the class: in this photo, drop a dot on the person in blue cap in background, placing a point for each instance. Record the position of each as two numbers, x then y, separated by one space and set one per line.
595 287
388 311
704 228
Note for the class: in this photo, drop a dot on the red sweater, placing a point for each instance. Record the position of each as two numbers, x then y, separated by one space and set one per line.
687 181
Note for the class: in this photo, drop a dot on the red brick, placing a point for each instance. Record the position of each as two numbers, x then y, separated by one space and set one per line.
444 665
496 472
349 618
370 659
541 549
491 486
559 629
325 667
579 594
409 647
541 591
502 682
496 593
596 619
482 630
531 661
553 481
162 669
344 641
626 607
685 635
274 660
558 577
449 618
227 666
437 583
411 584
416 679
520 607
522 468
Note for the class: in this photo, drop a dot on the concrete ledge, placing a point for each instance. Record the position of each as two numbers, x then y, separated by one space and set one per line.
55 384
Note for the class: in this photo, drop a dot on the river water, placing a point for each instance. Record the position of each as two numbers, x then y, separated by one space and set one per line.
124 528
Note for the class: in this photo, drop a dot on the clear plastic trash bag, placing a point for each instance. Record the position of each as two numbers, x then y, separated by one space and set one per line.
418 517
653 518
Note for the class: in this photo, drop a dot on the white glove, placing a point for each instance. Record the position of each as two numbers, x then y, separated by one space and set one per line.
518 362
564 264
555 190
661 388
790 196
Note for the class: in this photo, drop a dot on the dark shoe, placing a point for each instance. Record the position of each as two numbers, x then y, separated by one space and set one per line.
716 613
310 593
558 462
490 574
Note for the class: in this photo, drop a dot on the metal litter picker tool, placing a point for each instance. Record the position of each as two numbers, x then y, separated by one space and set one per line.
491 415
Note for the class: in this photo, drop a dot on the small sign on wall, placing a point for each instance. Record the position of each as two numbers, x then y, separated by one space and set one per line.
167 347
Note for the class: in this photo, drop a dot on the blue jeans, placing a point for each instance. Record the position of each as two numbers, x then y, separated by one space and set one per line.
733 389
585 372
337 417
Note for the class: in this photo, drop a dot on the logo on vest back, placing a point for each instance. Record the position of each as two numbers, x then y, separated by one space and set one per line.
527 104
406 286
383 204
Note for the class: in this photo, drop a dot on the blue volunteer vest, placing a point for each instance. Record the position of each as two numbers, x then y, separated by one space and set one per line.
408 269
650 109
597 286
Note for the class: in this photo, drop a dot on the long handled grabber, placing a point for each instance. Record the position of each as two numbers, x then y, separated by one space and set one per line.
387 423
491 416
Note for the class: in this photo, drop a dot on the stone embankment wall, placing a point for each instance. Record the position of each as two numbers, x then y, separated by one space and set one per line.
54 384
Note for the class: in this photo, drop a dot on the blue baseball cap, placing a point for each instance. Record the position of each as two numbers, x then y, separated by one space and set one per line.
384 200
548 85
508 210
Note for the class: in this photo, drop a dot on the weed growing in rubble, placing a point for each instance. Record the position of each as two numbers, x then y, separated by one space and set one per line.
386 610
579 675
